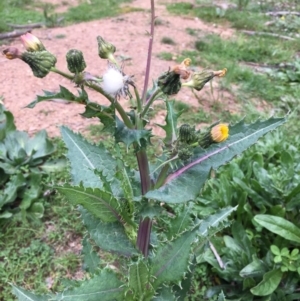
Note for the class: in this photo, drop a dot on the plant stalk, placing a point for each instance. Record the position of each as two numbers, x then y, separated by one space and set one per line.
149 56
150 101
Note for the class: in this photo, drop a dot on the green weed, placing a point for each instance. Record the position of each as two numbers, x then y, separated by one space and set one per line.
168 40
92 10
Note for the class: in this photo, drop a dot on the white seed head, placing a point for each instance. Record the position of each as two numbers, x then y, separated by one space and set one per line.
113 81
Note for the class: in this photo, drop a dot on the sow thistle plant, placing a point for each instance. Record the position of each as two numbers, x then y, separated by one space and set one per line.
147 216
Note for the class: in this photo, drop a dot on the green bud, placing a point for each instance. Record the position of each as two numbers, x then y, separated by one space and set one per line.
185 153
169 82
106 49
75 61
187 134
40 62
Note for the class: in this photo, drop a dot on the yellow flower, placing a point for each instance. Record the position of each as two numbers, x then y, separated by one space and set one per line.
32 43
219 132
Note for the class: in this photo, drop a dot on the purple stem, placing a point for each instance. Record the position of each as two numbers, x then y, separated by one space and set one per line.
143 238
147 75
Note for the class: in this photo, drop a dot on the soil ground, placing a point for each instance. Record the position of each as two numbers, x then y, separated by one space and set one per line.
128 33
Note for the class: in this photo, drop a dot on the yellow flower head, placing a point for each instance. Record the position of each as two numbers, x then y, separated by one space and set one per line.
220 132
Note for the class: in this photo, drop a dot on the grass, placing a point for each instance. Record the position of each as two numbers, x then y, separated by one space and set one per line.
31 11
93 10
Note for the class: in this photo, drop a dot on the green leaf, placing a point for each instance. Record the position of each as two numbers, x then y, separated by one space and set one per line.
104 287
139 281
171 123
54 165
181 222
100 203
129 136
32 191
254 269
7 124
108 236
10 191
91 259
279 226
36 209
105 114
63 94
19 149
85 158
269 283
164 294
214 220
221 297
24 295
185 183
171 259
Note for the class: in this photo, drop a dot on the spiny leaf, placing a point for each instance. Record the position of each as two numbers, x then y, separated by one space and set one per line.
171 123
91 259
139 281
85 158
214 219
185 183
104 287
108 236
100 203
129 136
63 94
171 259
165 293
24 295
181 222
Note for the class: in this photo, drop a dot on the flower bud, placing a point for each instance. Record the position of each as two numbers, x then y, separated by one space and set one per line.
185 153
199 79
187 134
169 82
106 49
32 43
75 61
216 134
219 132
40 62
12 53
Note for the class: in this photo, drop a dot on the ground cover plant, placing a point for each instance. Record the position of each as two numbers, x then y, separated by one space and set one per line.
24 161
162 221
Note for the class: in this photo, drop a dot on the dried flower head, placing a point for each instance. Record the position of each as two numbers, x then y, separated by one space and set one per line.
219 132
116 82
182 69
32 43
199 79
12 53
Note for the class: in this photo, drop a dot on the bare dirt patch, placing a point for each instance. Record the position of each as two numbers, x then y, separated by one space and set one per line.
128 33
